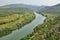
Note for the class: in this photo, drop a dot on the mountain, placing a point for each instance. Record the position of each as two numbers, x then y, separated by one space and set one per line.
33 7
58 6
52 9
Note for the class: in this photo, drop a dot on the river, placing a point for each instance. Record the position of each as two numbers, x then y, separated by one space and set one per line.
27 29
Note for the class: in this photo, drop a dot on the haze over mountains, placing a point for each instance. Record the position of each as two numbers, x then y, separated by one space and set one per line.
43 8
52 9
33 7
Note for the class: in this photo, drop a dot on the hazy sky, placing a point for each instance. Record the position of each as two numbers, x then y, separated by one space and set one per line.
31 2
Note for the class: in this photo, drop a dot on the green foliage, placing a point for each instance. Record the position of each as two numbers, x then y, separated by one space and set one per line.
48 30
14 18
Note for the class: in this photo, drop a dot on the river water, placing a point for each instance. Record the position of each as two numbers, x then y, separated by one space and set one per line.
25 30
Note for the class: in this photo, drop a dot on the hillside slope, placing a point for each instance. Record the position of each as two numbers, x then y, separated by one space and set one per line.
33 7
52 9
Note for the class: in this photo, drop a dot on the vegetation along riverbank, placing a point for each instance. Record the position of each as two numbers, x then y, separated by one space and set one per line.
49 30
14 18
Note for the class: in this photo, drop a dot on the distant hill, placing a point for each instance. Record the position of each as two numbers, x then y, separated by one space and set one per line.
18 10
33 7
43 8
52 9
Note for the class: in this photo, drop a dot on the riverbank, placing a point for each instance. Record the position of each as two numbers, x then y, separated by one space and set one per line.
14 21
25 30
49 30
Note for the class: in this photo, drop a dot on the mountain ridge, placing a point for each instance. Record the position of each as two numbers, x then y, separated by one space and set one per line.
52 9
33 7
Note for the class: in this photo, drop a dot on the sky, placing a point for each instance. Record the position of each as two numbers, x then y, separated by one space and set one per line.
30 2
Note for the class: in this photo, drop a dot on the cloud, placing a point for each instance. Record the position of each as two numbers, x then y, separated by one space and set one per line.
32 2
